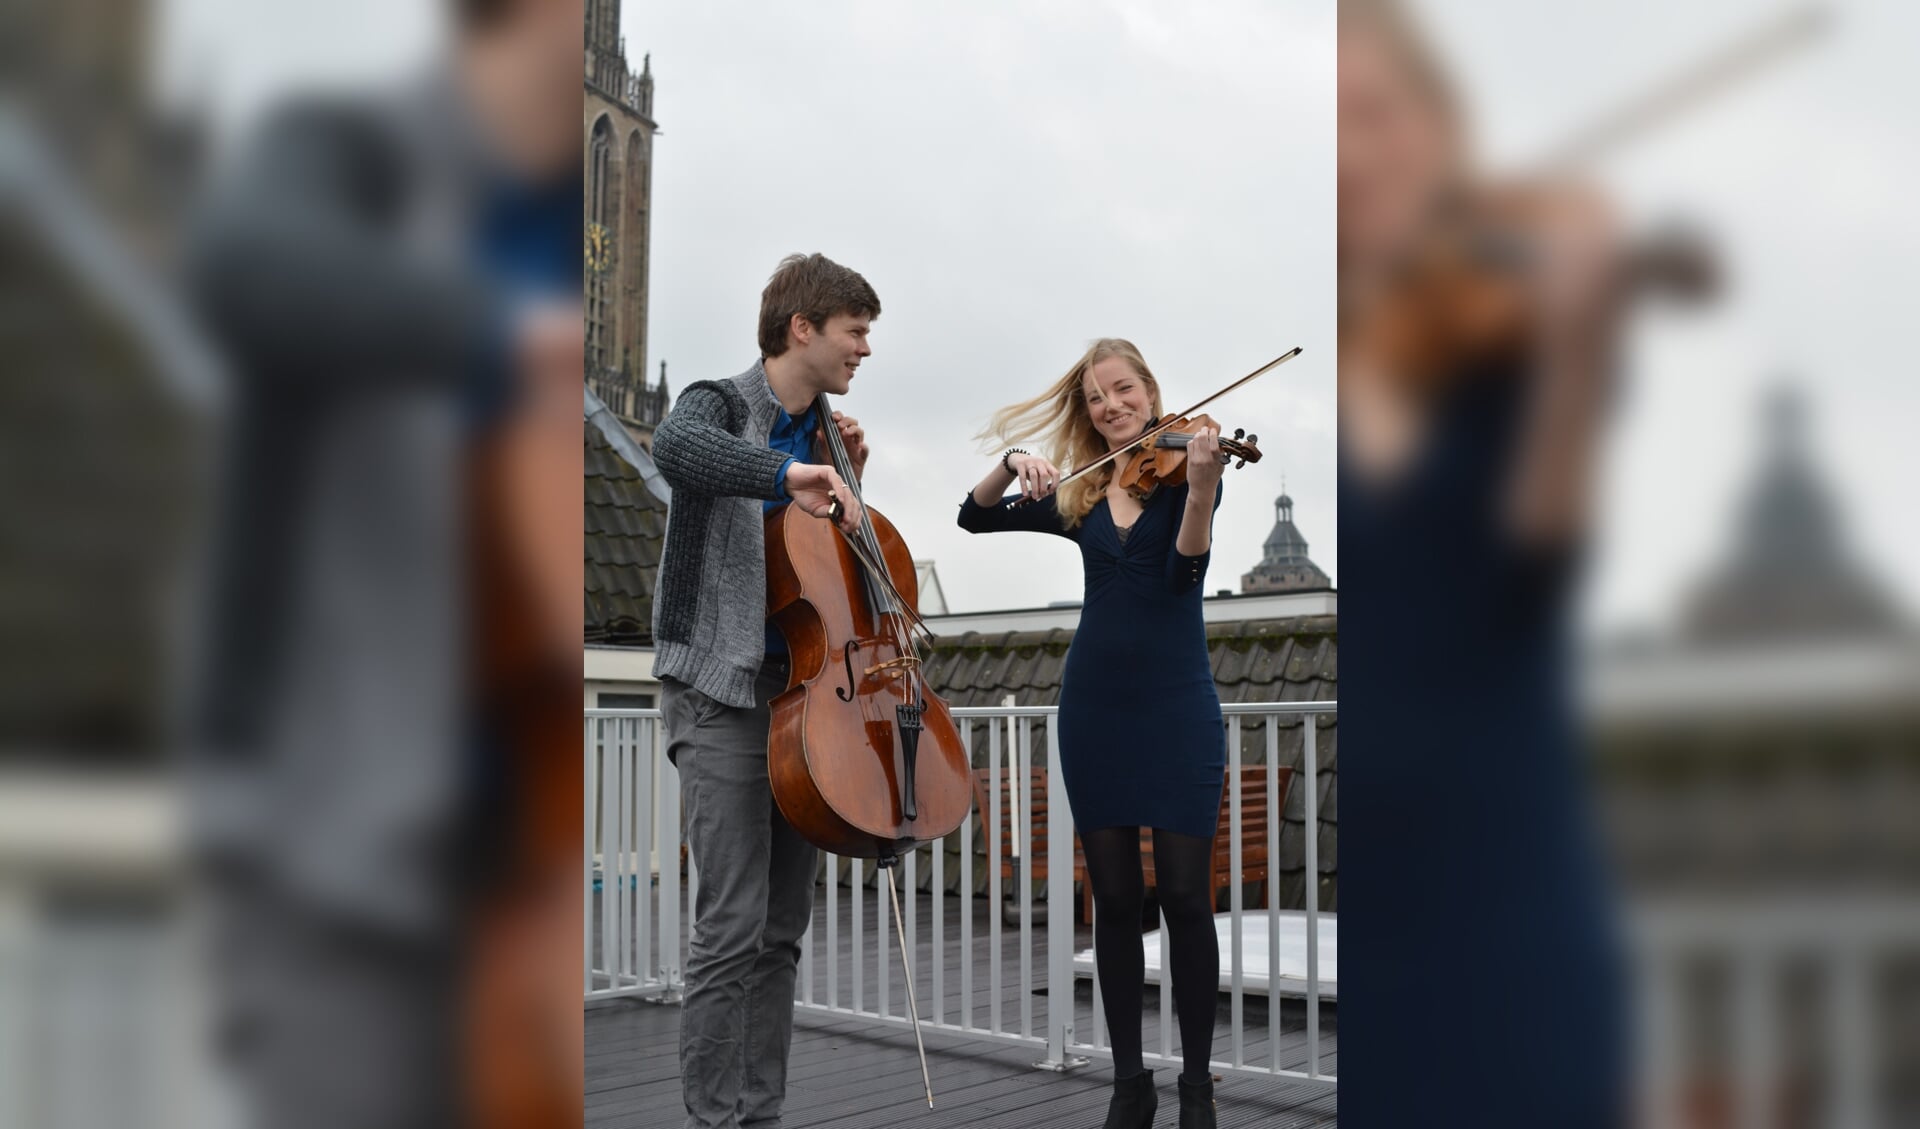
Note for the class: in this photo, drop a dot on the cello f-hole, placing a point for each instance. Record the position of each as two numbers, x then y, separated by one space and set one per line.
846 695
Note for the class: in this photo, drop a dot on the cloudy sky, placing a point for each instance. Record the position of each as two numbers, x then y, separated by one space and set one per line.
1018 179
1803 174
1015 180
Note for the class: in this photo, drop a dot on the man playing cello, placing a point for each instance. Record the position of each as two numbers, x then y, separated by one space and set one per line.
734 450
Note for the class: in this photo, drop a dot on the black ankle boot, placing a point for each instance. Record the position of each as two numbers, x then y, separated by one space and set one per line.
1196 1105
1134 1101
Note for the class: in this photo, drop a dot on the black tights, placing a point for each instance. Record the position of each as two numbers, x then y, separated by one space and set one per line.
1183 878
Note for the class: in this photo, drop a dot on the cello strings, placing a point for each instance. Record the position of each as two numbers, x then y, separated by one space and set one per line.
880 572
866 549
866 545
844 464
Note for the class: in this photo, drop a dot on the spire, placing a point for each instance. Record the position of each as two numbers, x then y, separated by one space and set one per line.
641 88
1283 505
1284 565
1786 416
1788 572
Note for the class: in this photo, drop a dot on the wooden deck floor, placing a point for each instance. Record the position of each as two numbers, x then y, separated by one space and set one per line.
856 1073
849 1074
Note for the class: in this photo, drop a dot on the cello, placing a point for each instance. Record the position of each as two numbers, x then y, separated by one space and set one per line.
863 757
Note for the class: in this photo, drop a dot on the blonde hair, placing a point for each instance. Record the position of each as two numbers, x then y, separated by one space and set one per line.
1058 422
1400 32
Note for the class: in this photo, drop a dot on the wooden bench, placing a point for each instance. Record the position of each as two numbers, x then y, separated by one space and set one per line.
1254 864
1008 826
1253 834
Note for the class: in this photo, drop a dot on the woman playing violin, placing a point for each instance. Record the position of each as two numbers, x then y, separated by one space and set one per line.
1141 743
1480 912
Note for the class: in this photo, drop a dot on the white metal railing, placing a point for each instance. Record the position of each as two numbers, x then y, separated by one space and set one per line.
632 837
102 1011
1732 968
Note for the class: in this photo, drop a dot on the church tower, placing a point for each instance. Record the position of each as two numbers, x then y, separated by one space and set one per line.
1789 574
1284 565
619 196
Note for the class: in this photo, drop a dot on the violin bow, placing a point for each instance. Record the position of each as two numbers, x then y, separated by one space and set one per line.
1763 45
1151 435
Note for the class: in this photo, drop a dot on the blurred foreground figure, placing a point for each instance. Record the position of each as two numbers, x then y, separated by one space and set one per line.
395 281
1477 331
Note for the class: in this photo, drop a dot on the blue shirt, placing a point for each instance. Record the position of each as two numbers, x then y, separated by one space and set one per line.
795 437
526 238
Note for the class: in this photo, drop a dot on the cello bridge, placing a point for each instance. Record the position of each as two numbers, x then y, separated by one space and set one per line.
894 667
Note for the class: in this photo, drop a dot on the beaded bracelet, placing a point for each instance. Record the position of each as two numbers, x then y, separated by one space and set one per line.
1006 460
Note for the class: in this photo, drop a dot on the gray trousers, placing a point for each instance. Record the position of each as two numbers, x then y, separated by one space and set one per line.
754 904
325 1023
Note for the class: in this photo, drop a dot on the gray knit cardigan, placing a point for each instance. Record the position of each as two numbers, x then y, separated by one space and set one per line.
710 601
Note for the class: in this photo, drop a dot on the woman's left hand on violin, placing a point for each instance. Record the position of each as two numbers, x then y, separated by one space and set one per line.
854 438
1579 263
1204 461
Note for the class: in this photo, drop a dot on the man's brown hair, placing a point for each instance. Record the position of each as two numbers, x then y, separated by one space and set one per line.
480 15
816 288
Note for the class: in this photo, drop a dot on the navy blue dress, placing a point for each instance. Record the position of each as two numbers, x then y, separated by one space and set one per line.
1485 983
1141 741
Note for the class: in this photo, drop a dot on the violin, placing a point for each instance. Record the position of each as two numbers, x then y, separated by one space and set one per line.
1161 460
1465 295
1150 461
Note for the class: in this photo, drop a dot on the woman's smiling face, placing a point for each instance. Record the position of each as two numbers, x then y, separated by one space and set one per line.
1119 400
